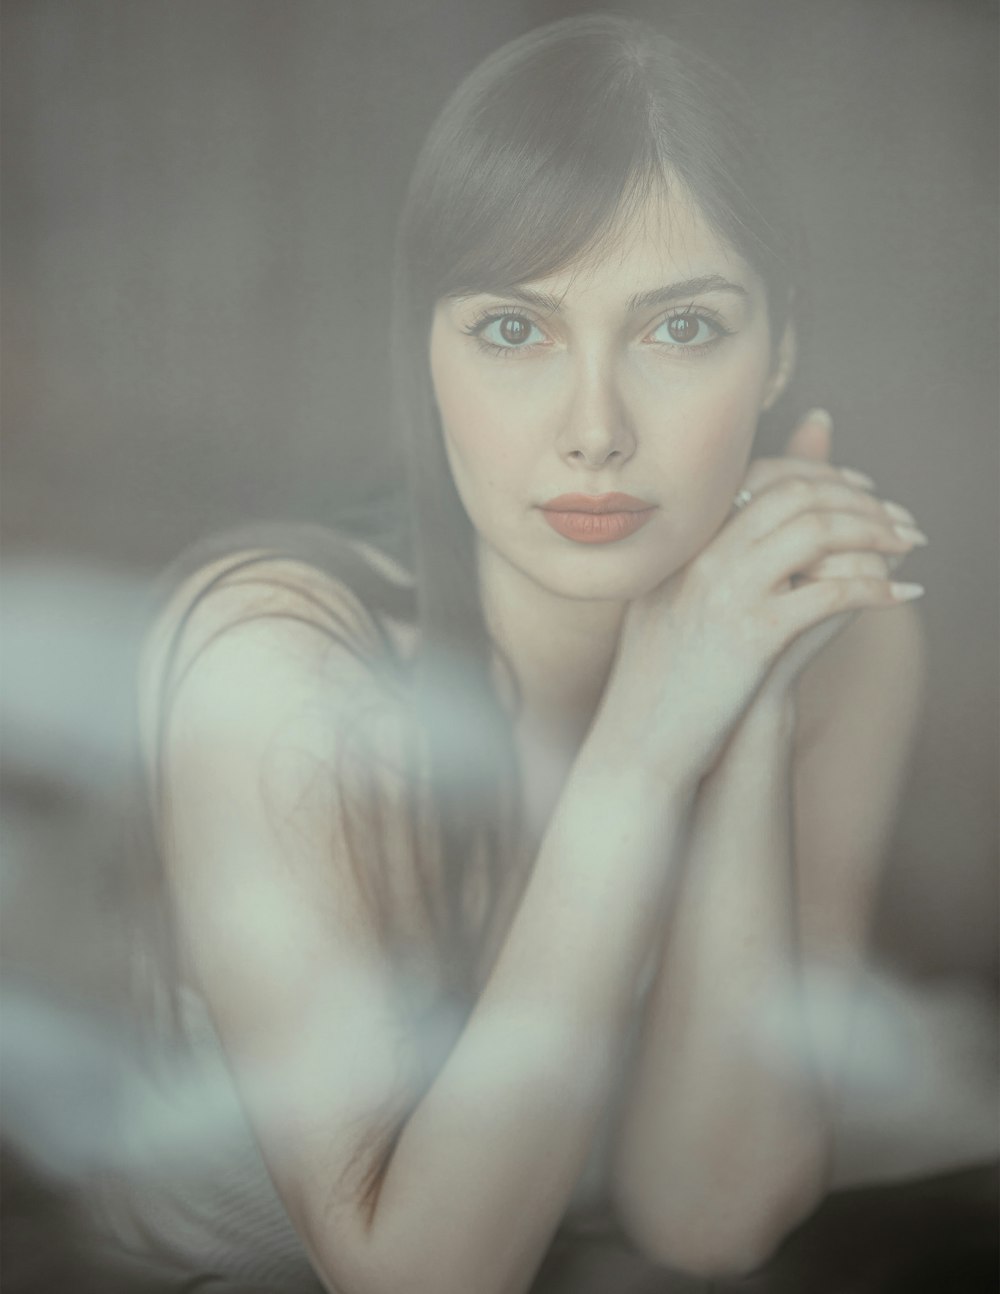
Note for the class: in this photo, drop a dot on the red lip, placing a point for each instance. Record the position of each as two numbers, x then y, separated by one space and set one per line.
595 503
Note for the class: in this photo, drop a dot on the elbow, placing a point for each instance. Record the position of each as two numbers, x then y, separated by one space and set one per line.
723 1238
707 1251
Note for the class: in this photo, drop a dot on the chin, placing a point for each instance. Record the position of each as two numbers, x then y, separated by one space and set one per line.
611 574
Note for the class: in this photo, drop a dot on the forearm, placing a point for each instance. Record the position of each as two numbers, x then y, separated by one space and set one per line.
720 1148
485 1166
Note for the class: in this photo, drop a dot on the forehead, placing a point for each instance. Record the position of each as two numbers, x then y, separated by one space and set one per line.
667 239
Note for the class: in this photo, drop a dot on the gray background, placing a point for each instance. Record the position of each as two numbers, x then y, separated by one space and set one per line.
199 201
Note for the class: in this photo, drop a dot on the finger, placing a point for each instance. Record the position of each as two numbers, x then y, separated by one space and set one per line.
794 495
818 600
839 565
762 473
811 438
846 565
803 540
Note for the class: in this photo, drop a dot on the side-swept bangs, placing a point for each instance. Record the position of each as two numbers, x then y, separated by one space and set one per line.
545 152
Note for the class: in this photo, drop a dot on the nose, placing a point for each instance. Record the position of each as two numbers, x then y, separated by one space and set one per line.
596 428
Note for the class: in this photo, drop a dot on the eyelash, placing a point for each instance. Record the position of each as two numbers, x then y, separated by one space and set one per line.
492 315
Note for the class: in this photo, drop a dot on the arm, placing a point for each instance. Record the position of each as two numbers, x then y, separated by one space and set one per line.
485 1167
745 1116
718 1152
479 1168
848 782
786 851
488 1154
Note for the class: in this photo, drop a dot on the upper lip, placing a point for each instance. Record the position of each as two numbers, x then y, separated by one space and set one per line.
596 503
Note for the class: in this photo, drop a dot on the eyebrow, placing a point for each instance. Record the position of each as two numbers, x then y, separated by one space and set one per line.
640 301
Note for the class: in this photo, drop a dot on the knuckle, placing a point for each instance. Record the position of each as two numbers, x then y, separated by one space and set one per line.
820 528
839 594
843 566
878 533
871 564
861 590
799 491
783 471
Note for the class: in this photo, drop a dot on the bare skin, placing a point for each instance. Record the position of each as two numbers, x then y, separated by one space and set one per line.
678 685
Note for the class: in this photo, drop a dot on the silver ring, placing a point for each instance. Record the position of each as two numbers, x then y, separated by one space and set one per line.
742 499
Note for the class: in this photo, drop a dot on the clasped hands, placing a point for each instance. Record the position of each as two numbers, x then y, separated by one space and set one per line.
807 454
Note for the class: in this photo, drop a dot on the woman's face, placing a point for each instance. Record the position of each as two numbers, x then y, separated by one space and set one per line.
642 372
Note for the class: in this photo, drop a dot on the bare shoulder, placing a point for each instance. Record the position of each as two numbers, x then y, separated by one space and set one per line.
872 674
268 728
858 707
255 622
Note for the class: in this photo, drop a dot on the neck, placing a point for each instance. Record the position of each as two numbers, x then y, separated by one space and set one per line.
560 649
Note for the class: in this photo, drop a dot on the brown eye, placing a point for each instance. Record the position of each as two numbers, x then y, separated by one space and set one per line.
506 333
683 328
514 330
689 331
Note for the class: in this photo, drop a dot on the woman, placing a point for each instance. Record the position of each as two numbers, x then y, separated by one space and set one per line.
483 874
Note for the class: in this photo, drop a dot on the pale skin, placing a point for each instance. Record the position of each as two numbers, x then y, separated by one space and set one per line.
678 686
599 401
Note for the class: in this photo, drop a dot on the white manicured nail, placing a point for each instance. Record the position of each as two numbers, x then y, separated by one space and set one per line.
911 534
900 513
906 592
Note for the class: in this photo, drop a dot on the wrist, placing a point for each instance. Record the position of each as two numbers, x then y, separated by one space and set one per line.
666 782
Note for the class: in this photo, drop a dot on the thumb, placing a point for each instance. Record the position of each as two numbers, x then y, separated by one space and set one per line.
811 438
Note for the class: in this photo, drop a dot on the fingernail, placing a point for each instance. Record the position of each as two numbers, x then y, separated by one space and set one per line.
900 513
911 534
821 416
856 478
906 592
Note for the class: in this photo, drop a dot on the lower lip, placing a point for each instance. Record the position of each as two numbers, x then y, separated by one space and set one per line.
597 527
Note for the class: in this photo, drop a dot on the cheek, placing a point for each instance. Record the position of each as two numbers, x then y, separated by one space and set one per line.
466 431
716 413
485 430
477 437
724 430
706 455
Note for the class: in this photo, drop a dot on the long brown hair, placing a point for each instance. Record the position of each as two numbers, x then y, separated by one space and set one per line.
537 159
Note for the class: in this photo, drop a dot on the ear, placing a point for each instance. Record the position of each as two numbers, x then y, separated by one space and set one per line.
782 368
